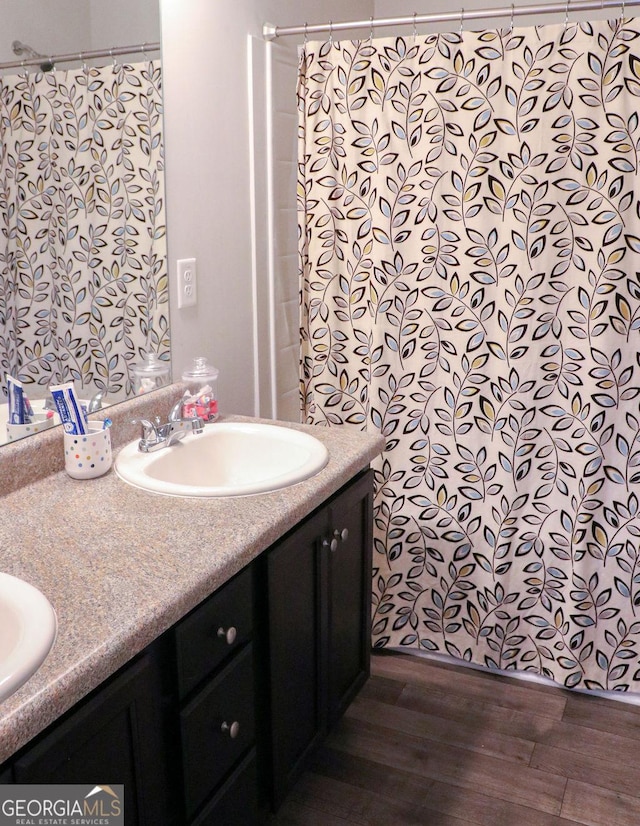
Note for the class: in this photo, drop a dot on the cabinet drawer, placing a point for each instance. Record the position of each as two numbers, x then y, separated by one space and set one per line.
209 751
213 631
236 804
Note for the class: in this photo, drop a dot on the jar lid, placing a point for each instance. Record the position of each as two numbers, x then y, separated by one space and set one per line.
151 365
200 369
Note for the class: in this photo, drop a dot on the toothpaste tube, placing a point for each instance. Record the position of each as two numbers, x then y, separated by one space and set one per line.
72 416
17 409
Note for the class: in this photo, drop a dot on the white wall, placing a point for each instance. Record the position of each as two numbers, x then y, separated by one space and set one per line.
123 22
285 402
37 23
64 26
396 8
206 86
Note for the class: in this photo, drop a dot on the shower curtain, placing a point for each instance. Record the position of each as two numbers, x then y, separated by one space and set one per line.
83 261
470 244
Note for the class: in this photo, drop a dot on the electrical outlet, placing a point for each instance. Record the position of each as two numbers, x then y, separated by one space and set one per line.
187 283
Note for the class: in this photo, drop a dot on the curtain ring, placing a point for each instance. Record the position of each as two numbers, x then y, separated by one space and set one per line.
306 34
512 14
370 29
331 32
566 15
461 21
85 68
415 28
623 10
113 58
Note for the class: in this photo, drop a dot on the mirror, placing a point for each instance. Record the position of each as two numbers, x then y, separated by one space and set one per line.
83 264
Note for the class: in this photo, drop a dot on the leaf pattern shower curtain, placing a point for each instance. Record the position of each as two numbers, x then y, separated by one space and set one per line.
470 238
83 260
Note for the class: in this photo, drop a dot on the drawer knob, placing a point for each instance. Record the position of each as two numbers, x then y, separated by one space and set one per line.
229 634
332 543
232 729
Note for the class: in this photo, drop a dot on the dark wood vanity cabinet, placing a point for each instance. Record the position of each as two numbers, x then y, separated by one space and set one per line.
317 585
210 725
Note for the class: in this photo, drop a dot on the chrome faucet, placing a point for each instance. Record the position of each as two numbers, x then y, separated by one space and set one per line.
156 435
95 402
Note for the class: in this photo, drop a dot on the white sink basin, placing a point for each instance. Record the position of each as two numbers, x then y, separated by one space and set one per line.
227 459
27 631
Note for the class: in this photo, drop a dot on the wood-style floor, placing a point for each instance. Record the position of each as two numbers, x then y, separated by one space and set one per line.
437 745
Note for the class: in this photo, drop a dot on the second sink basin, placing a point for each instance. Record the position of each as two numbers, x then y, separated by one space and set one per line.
27 631
227 459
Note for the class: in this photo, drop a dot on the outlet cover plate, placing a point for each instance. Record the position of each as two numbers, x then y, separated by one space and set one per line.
187 283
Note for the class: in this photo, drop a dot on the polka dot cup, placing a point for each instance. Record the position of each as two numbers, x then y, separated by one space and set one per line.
19 431
88 456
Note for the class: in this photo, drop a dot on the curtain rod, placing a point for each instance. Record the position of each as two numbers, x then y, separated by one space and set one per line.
89 55
270 32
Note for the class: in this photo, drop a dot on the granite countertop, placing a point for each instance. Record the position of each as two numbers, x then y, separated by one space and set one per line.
121 566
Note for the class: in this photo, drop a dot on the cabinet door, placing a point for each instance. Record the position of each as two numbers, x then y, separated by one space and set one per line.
112 738
349 594
297 674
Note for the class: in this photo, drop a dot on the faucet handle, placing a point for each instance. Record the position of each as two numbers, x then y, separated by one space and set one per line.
149 430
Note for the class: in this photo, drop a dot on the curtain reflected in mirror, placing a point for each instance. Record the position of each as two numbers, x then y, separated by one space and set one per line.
83 260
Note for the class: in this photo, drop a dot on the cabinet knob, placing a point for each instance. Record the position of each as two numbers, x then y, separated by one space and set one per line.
229 634
331 544
232 729
343 535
